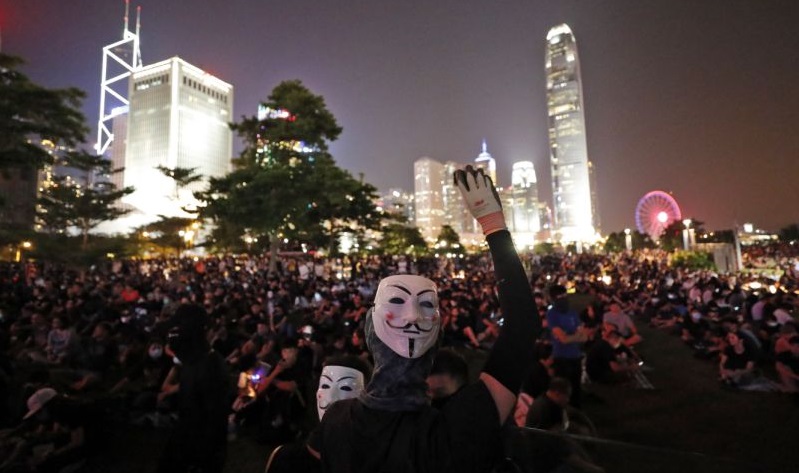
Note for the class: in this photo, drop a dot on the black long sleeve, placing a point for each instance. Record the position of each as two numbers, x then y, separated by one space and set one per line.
514 350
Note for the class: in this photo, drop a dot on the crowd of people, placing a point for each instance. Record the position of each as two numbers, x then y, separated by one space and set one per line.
68 336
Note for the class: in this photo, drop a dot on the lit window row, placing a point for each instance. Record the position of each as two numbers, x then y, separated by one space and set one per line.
204 89
145 84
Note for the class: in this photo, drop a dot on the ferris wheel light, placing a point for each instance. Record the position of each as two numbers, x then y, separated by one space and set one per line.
654 212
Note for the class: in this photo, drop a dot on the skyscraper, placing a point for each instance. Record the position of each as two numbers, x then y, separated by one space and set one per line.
398 201
427 177
485 161
573 202
524 221
178 117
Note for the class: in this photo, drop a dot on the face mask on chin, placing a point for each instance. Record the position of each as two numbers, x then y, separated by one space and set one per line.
335 384
405 316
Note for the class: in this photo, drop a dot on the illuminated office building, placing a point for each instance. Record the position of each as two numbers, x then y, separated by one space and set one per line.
573 199
523 221
178 117
398 201
427 177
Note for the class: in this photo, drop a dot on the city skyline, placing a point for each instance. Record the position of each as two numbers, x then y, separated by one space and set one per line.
696 99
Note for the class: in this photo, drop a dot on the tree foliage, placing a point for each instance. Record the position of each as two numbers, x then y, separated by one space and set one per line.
617 241
693 260
286 184
30 113
400 239
448 238
67 203
165 233
183 177
672 237
789 233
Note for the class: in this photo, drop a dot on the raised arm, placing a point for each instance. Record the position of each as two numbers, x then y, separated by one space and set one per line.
513 353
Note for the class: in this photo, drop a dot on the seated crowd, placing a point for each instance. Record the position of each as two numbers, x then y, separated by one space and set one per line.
69 339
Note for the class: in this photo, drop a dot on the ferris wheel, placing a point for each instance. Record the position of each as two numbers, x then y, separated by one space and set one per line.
656 211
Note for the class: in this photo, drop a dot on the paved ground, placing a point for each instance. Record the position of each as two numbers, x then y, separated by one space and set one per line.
688 423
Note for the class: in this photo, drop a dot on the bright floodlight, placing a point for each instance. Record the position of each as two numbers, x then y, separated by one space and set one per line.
662 217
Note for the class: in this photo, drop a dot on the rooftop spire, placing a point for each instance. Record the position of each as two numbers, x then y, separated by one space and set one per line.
485 147
127 10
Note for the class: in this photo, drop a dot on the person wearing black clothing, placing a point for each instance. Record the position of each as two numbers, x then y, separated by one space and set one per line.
609 359
541 371
60 427
199 441
449 374
392 426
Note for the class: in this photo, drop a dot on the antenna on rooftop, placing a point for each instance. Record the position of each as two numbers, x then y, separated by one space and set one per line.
127 9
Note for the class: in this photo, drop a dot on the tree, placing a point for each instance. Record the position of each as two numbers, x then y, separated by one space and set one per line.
448 238
544 248
29 114
183 177
286 184
400 239
617 241
166 232
692 260
789 233
672 237
68 203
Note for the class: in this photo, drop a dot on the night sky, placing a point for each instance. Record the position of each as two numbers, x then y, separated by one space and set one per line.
696 97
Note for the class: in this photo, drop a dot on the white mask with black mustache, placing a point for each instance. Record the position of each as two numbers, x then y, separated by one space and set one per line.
406 316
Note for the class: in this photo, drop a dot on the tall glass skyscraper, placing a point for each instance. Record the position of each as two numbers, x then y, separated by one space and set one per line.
573 202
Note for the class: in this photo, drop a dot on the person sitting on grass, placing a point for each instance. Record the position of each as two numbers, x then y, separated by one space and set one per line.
787 358
737 364
610 361
616 319
343 377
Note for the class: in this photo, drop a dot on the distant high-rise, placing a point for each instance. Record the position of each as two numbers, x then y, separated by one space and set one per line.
486 162
427 177
456 215
524 222
398 201
178 117
573 199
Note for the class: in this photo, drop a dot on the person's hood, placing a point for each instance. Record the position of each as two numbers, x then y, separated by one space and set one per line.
398 383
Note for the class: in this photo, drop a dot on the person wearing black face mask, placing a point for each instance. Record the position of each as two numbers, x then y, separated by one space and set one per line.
199 441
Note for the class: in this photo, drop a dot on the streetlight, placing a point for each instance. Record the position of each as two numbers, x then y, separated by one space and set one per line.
628 239
686 238
26 245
